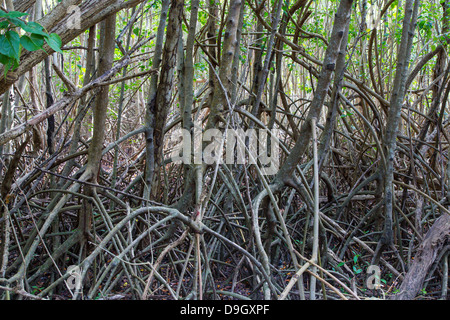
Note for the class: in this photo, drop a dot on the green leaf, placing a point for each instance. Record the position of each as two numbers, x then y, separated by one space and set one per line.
357 270
32 43
12 14
16 14
36 28
7 62
17 22
10 44
3 59
54 41
4 24
37 39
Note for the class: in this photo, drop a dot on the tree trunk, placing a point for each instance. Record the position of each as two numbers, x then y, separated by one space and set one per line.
106 57
159 105
223 87
341 22
393 121
149 116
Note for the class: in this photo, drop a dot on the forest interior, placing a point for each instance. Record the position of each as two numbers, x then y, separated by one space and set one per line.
224 149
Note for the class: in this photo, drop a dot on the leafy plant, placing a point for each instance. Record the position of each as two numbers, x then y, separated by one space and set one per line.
12 42
36 289
356 267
